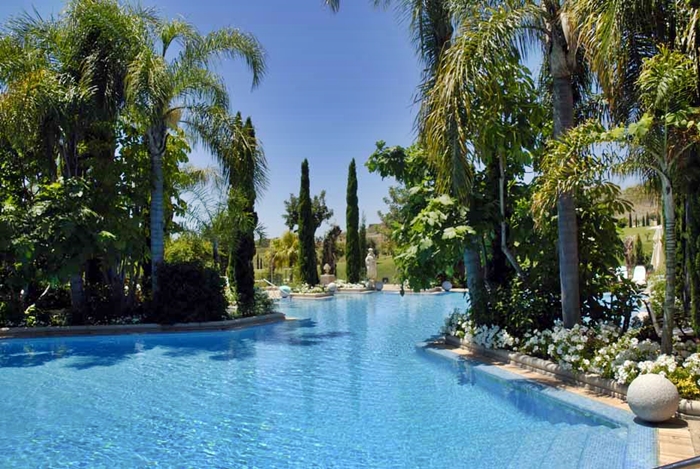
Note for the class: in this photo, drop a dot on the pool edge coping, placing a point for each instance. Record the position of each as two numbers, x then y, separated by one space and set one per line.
639 435
13 333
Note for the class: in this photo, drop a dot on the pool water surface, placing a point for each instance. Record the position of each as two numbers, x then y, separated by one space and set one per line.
343 385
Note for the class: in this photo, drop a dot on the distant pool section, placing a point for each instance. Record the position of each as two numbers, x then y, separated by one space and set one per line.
342 386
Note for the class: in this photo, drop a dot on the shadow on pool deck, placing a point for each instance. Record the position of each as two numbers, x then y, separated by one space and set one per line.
87 352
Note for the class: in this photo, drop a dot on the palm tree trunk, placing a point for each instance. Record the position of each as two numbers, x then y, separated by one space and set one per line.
670 248
504 228
563 103
156 138
215 253
475 275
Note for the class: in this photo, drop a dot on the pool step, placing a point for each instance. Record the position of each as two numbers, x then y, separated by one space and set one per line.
570 446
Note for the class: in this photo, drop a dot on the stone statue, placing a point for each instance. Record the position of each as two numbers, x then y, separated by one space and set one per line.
327 278
371 264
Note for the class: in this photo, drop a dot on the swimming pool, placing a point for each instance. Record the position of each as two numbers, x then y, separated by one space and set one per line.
342 386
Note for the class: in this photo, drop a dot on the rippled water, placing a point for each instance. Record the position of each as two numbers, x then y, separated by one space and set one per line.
341 386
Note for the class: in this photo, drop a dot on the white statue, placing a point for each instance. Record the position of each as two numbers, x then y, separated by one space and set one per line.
371 264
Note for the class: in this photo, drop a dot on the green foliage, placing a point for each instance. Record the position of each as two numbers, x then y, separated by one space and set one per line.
431 242
362 236
319 209
353 255
331 251
307 241
190 293
189 247
639 257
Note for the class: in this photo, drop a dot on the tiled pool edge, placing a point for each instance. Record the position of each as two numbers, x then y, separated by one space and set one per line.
640 437
57 331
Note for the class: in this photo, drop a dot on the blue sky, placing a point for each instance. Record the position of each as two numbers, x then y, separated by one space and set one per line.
336 84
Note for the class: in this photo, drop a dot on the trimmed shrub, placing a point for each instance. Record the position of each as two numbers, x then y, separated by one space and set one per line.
189 292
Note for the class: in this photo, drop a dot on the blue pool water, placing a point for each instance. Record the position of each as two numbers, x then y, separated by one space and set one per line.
343 386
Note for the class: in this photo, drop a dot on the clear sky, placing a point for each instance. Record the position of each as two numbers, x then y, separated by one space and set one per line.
336 84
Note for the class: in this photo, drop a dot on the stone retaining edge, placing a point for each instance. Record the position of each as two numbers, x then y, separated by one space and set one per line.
610 387
62 331
311 296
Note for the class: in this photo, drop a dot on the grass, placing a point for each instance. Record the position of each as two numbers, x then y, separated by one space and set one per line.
646 233
385 268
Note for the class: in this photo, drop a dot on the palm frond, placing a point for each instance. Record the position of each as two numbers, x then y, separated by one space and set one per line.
230 43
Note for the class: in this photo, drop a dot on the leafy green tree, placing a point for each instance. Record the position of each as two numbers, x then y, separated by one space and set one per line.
307 242
180 88
486 31
319 209
352 216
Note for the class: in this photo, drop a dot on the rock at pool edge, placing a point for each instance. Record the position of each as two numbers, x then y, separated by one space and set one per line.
653 398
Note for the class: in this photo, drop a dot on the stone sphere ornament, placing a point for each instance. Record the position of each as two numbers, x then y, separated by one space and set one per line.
447 285
653 398
331 287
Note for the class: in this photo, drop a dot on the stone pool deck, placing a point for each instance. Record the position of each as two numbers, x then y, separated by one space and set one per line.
678 439
36 332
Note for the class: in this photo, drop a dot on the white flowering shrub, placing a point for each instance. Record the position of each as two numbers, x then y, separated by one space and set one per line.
594 348
305 288
343 285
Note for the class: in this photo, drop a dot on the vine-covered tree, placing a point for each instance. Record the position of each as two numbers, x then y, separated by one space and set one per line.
247 174
362 236
307 242
353 255
331 253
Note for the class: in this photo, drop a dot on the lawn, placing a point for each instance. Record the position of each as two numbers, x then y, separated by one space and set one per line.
646 233
385 268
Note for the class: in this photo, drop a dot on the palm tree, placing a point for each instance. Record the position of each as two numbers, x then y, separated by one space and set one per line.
486 29
284 252
659 145
167 92
65 77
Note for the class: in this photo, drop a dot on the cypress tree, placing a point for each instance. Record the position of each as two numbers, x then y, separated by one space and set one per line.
639 257
243 270
307 243
362 234
353 256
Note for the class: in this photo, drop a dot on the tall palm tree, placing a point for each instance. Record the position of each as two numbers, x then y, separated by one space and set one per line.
172 85
484 30
659 147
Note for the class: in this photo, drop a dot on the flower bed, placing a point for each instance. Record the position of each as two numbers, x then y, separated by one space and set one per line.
597 349
351 286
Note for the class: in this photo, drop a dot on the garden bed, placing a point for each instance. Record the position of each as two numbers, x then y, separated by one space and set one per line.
311 296
593 382
56 331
